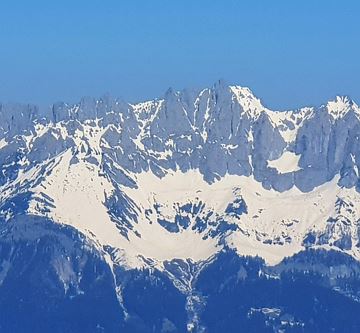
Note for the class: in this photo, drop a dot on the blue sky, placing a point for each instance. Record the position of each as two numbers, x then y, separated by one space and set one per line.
290 53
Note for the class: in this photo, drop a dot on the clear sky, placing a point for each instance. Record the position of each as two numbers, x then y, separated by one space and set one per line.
289 52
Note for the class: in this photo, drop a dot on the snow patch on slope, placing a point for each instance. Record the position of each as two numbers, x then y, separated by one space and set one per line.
78 194
287 162
3 143
276 223
289 122
273 227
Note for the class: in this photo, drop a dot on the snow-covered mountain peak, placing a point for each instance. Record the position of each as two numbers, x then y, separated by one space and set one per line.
340 106
249 102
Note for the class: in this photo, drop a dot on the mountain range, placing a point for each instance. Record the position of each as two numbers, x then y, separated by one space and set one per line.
201 211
